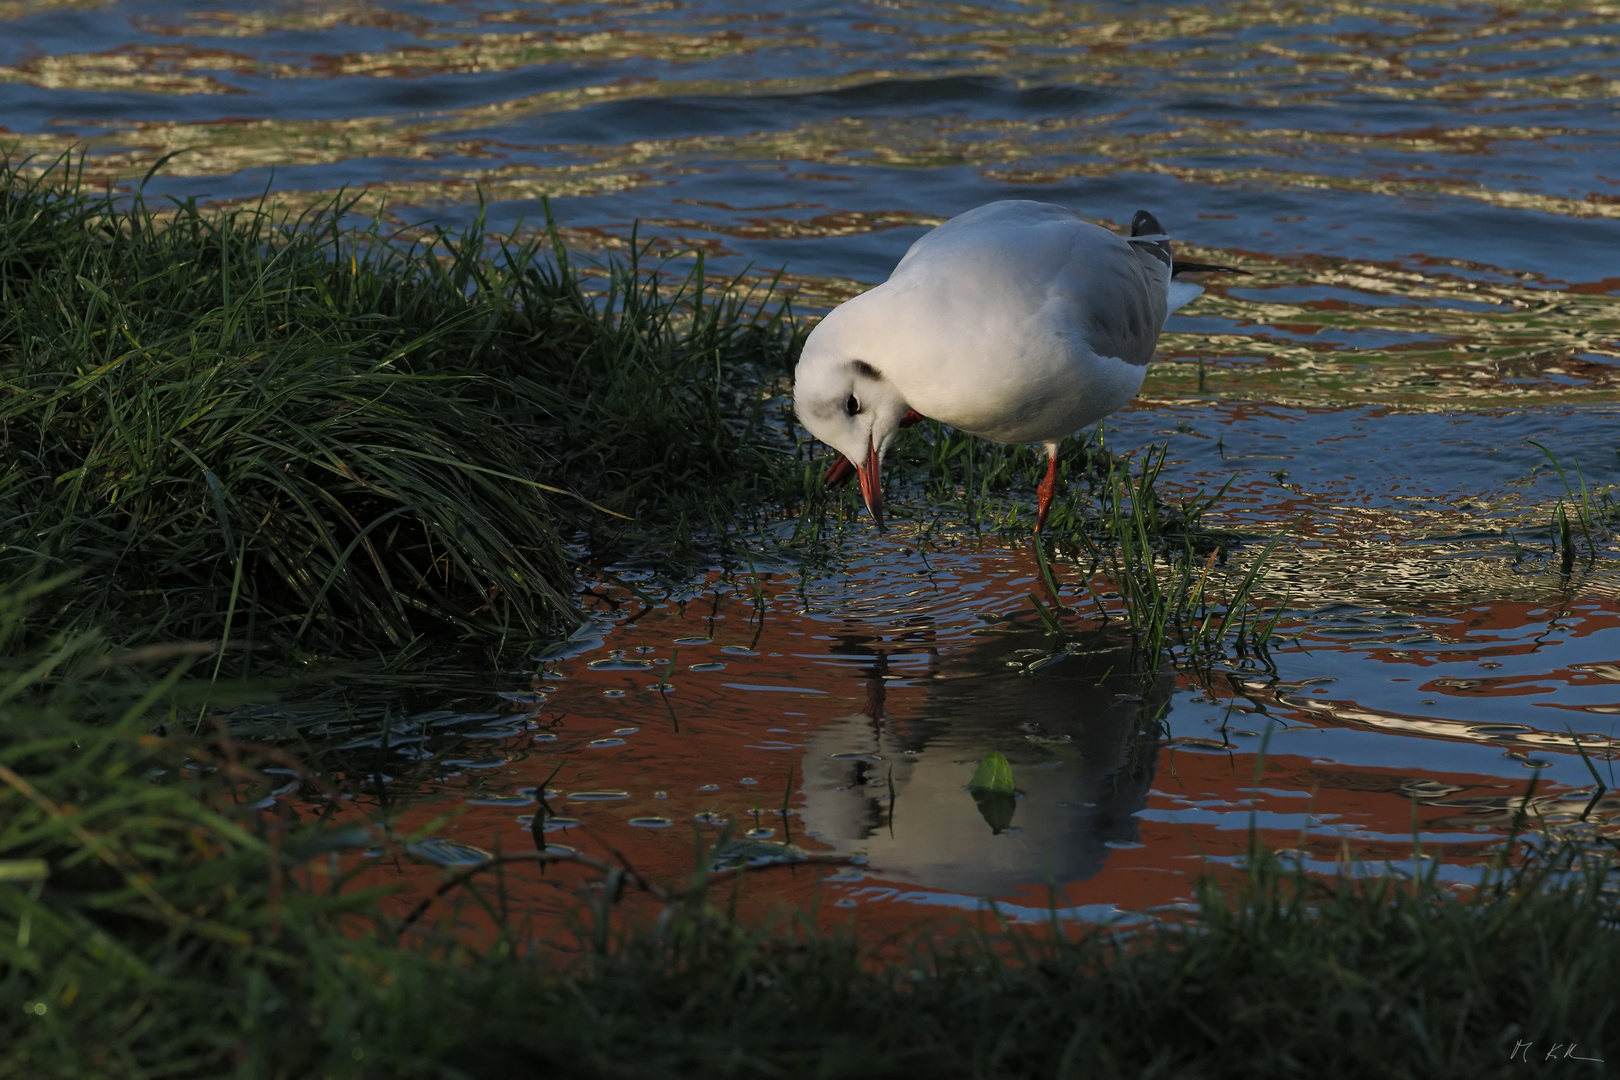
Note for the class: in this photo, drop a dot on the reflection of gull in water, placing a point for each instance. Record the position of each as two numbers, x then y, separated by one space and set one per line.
1080 760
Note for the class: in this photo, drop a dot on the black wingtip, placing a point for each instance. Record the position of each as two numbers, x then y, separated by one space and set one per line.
1145 224
1181 266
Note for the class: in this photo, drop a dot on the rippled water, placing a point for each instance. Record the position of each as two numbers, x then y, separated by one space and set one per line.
1427 200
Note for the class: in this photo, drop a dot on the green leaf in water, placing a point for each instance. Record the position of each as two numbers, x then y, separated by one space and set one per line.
993 775
992 789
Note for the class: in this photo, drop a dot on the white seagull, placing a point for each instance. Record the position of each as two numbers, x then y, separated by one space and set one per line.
1016 322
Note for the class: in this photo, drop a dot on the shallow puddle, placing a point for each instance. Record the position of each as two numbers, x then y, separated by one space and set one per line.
1432 663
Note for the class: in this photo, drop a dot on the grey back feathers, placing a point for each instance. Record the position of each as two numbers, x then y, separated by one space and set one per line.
1028 255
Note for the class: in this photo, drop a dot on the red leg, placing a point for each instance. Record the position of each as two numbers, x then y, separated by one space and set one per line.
1045 491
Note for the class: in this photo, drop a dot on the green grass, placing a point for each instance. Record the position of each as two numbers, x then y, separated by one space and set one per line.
1171 588
338 441
318 440
153 925
1180 600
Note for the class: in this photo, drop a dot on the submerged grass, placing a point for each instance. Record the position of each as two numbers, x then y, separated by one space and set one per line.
1163 563
334 440
1157 575
153 923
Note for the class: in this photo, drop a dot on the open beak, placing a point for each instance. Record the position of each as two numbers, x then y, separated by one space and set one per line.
841 469
838 472
872 483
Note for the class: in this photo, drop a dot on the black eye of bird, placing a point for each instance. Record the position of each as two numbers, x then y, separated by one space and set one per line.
853 405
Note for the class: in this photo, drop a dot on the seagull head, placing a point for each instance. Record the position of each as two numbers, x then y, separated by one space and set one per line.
847 403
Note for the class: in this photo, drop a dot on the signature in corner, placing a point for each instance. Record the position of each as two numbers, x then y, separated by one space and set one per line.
1525 1051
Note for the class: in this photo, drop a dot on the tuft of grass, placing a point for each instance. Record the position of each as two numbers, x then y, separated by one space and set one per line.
1166 568
160 922
1593 512
662 390
294 431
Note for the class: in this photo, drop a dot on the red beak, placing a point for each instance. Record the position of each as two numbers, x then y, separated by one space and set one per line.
872 483
841 470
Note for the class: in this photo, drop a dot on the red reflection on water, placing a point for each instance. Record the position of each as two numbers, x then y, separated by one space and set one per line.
863 702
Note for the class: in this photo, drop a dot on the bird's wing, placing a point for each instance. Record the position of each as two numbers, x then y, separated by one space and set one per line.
1117 292
1020 266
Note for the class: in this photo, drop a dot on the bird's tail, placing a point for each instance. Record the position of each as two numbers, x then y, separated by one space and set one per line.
1146 231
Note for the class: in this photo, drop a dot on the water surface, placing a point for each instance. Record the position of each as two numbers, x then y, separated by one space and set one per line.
1427 200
